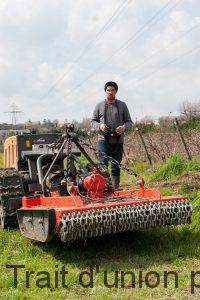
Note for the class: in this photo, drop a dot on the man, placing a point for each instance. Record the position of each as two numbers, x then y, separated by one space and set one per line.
111 117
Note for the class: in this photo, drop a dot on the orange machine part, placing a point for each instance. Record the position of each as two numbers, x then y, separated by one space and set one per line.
10 152
94 185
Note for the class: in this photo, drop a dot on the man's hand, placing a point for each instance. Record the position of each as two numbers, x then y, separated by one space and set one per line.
103 128
120 129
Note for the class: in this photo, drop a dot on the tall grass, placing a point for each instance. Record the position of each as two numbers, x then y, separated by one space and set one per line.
175 166
195 197
1 160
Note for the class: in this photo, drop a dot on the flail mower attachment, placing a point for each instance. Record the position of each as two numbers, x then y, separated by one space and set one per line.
91 207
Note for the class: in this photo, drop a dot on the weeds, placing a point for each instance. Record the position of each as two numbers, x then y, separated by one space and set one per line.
195 198
1 160
166 191
175 166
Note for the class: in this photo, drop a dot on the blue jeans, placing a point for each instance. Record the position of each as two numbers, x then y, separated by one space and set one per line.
113 150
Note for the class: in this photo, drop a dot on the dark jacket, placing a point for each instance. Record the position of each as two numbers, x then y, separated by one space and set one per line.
112 115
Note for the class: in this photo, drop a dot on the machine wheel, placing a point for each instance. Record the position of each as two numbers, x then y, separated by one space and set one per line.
10 197
2 218
6 221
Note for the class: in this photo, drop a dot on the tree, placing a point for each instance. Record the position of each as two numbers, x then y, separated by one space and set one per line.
55 122
190 109
85 124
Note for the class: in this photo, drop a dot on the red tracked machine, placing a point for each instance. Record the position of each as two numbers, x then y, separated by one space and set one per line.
78 201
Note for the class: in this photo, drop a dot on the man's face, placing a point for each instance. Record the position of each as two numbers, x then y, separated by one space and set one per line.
110 92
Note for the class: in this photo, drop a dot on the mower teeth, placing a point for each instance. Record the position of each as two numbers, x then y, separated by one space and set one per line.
92 223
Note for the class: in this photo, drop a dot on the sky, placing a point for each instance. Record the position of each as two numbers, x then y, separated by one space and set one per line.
56 56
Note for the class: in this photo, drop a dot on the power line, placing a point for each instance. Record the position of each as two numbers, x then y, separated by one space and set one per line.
117 12
146 26
110 21
127 43
191 51
169 63
137 66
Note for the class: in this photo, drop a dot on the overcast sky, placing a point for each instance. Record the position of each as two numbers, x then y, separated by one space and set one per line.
56 55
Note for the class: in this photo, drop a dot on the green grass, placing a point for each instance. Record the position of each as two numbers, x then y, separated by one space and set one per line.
1 160
166 191
162 249
191 124
174 166
166 249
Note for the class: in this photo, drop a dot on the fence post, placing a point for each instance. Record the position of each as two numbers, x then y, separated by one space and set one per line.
182 138
144 145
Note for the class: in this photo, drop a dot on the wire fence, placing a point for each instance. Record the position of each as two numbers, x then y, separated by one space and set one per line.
153 147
